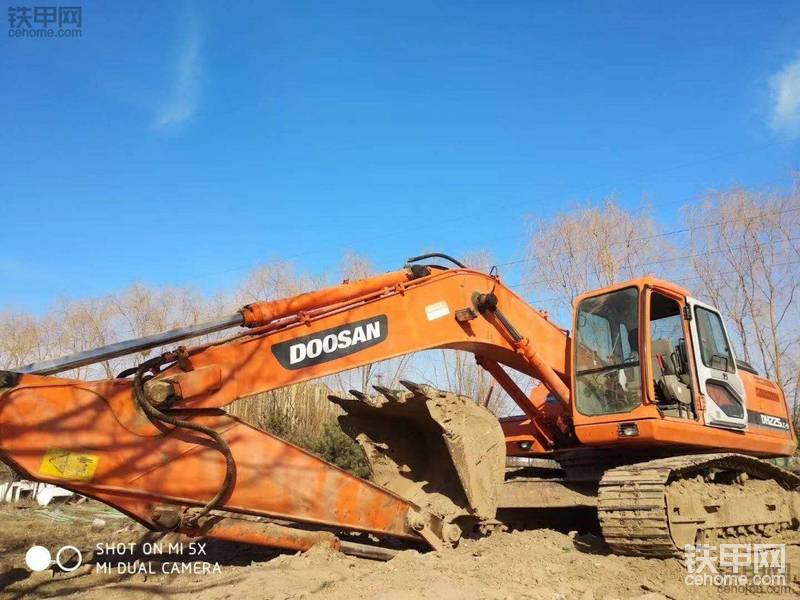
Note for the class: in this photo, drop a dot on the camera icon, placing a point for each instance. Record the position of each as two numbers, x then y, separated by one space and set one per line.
38 558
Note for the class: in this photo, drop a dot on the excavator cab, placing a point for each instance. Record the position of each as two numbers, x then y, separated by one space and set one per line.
647 352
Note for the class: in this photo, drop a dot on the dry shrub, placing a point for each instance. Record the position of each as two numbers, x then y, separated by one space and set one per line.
303 415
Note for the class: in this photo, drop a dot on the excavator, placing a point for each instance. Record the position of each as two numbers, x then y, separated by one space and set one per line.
641 415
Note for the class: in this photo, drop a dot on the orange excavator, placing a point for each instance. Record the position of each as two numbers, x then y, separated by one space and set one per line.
643 415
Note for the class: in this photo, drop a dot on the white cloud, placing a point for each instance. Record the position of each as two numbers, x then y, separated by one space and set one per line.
785 99
182 101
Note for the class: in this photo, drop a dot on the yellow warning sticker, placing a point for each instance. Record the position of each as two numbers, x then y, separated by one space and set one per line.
65 464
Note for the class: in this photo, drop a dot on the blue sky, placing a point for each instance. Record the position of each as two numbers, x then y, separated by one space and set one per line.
185 143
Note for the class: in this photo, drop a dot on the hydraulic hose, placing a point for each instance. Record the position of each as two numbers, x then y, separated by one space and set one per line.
458 263
154 414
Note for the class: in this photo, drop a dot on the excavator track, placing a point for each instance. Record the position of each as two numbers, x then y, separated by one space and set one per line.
657 507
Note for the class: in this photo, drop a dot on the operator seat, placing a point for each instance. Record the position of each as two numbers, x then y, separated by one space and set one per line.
672 392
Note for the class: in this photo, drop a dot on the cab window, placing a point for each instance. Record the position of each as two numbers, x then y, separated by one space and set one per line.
714 348
607 371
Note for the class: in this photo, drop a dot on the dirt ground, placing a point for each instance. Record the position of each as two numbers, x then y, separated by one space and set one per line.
506 566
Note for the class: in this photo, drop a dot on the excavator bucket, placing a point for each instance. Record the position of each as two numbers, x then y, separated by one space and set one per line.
438 450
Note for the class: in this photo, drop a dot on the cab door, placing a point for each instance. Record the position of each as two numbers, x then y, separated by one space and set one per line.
717 373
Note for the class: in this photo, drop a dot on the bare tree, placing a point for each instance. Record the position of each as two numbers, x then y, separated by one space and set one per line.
746 254
589 247
82 325
23 339
355 266
275 279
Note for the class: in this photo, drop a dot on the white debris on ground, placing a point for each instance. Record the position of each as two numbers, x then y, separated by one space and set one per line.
42 493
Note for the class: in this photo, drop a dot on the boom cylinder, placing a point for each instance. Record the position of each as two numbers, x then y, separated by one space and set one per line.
262 313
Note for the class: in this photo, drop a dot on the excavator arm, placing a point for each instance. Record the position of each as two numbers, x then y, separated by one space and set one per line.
156 444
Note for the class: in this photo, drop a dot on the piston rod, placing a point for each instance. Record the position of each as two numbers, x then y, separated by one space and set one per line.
96 355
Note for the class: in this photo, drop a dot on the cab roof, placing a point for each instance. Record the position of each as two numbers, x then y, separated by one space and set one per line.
639 282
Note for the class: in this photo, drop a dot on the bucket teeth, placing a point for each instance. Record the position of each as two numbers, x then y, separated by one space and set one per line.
440 451
390 394
360 395
357 402
413 387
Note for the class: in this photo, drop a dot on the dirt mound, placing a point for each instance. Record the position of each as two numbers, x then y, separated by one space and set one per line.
505 566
